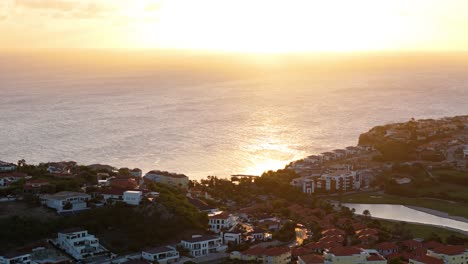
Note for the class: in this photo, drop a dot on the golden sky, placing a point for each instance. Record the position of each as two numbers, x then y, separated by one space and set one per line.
261 26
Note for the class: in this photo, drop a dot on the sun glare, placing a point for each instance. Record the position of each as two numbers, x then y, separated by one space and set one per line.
265 26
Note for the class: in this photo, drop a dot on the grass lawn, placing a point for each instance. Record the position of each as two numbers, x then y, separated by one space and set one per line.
423 231
452 208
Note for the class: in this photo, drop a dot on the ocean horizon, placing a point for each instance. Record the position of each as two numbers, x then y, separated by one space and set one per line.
209 121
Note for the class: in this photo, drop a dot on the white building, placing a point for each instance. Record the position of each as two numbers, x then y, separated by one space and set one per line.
222 221
162 255
174 179
203 245
232 237
6 179
450 254
79 244
132 197
7 167
66 201
352 255
16 258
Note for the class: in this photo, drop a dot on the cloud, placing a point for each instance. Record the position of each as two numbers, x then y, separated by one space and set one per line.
67 9
59 5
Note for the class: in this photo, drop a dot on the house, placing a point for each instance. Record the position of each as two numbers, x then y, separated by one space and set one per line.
79 244
6 179
162 255
351 255
200 245
39 252
310 259
232 237
260 234
7 167
221 221
136 172
276 255
450 254
411 244
132 197
35 186
66 201
425 260
179 180
202 206
15 257
386 248
123 183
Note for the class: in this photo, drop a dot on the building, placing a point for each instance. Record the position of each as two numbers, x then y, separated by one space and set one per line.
7 167
200 245
338 178
450 254
6 179
162 255
310 259
260 234
174 179
123 183
16 257
35 186
352 255
66 201
221 221
274 255
79 244
231 237
425 260
132 197
387 248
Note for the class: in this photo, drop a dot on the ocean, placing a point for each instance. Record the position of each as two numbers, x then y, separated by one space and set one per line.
202 121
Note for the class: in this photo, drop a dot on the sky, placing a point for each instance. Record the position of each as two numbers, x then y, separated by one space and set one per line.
258 26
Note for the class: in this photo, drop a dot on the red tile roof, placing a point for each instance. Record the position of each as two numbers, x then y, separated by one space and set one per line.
386 246
428 260
450 250
254 251
223 215
276 251
300 251
333 232
312 259
345 251
411 243
432 244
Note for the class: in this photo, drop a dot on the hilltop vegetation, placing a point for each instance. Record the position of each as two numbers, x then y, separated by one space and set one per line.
121 227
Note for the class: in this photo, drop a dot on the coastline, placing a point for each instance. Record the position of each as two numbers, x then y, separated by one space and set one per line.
437 213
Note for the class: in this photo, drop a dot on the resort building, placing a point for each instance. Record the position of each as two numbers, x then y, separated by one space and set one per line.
221 221
174 179
333 181
162 255
200 245
66 201
79 244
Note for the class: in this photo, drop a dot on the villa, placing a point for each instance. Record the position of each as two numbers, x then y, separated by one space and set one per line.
79 244
349 255
66 201
200 245
6 179
7 167
162 255
221 221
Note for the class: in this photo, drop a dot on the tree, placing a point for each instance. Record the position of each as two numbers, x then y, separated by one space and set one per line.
366 213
